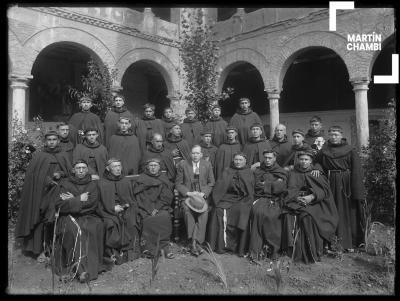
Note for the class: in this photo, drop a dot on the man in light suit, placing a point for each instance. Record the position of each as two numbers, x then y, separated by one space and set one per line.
194 180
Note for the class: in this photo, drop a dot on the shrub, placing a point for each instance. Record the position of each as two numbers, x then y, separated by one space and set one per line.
24 141
97 85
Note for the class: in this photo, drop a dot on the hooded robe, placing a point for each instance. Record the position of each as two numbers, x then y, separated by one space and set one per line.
341 164
167 123
154 192
89 246
224 156
146 127
317 221
191 131
232 197
311 136
265 222
125 147
111 123
172 142
84 120
35 201
68 147
282 148
292 157
121 233
242 121
254 150
218 128
95 155
166 161
209 152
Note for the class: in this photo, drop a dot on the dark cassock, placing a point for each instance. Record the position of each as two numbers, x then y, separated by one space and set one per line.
80 229
121 233
224 156
95 155
168 123
283 148
291 160
242 121
316 221
254 148
153 193
67 146
125 146
111 123
191 131
265 222
341 164
232 197
311 135
146 127
218 128
209 152
35 197
178 145
166 161
84 120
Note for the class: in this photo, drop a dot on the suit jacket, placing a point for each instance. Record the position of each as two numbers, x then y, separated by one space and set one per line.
185 177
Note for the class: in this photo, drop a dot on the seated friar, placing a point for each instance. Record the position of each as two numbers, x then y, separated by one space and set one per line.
79 230
309 213
119 211
265 222
232 198
154 194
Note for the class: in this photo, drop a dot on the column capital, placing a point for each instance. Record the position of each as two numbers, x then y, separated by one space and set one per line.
147 10
116 89
360 83
273 93
20 81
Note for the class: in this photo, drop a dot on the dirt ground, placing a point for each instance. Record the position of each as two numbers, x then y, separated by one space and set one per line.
356 273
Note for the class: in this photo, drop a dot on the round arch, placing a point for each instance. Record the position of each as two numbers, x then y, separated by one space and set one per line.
388 40
16 54
40 40
301 43
156 59
232 59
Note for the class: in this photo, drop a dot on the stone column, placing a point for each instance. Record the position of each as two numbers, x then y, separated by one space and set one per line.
19 84
360 88
273 97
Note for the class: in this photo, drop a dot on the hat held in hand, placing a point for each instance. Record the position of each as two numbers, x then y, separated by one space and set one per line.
196 203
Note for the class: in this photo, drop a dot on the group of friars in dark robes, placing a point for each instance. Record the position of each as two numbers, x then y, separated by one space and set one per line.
240 192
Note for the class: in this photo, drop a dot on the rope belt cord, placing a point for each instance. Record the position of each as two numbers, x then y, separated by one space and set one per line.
225 220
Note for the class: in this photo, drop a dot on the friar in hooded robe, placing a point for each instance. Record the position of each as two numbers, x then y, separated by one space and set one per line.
94 153
309 213
209 150
315 130
168 120
154 194
341 163
79 246
66 144
280 144
243 119
157 150
298 145
85 119
119 211
177 146
217 125
191 128
112 118
44 171
265 221
255 146
124 145
225 152
147 126
232 197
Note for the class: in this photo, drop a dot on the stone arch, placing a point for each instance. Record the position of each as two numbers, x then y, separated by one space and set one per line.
375 55
155 58
233 58
16 54
88 42
291 48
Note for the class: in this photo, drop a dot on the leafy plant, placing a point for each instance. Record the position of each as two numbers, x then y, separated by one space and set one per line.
96 85
199 53
220 270
379 163
23 142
